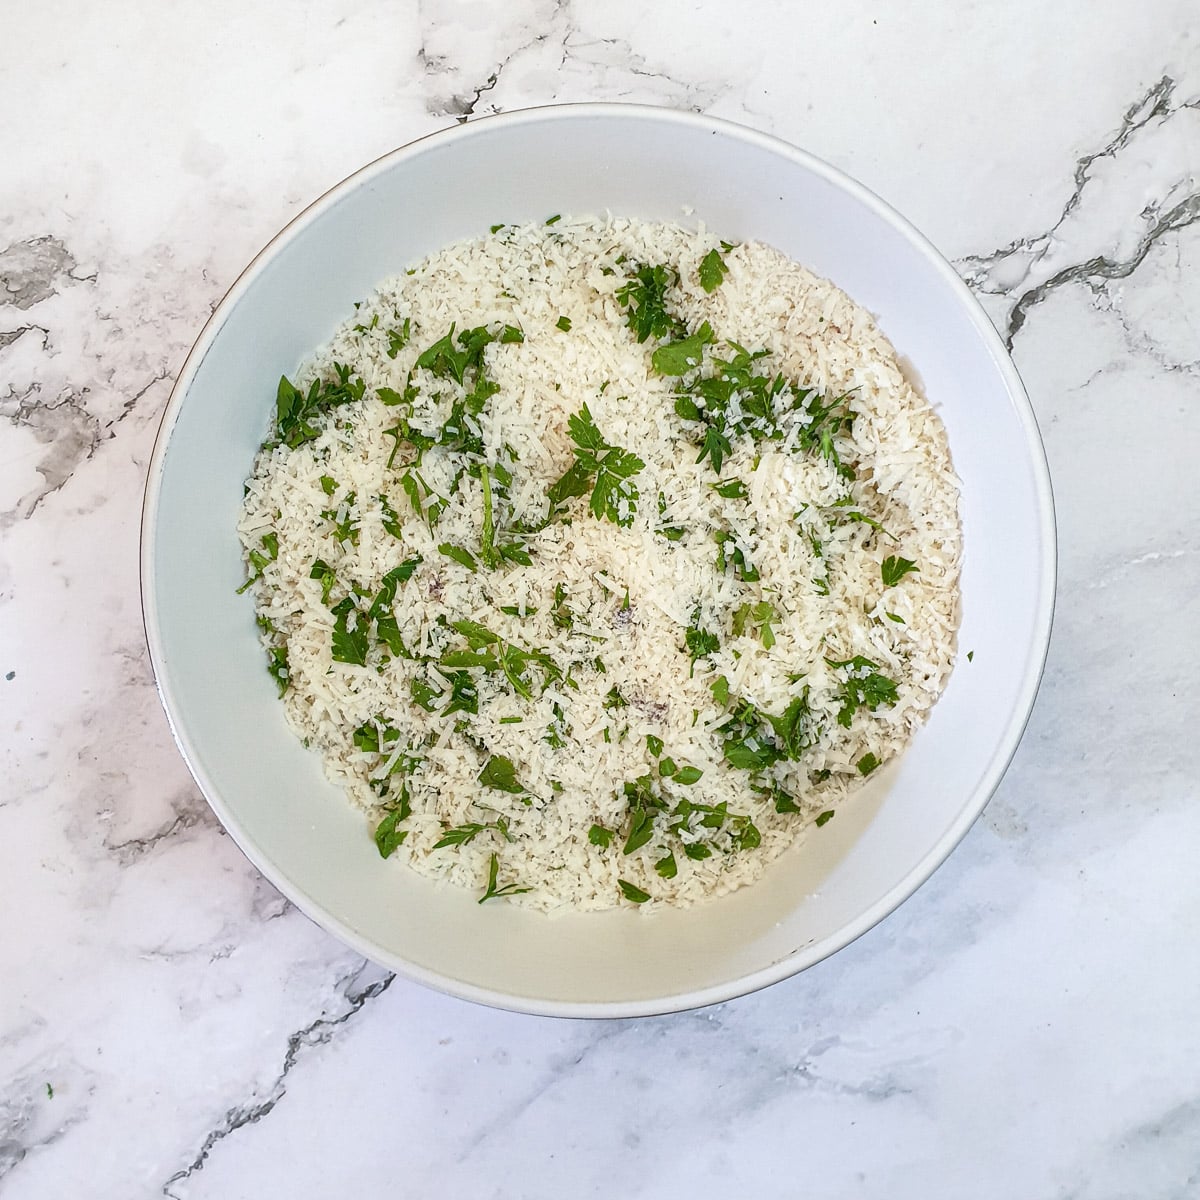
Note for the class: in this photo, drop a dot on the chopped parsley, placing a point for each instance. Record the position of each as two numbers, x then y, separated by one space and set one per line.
461 835
296 411
493 892
632 893
388 835
667 867
700 644
350 634
759 616
824 818
390 518
735 489
460 555
643 296
862 687
604 470
277 667
867 763
893 569
671 532
730 554
260 558
398 338
712 271
564 323
678 358
324 572
499 773
599 836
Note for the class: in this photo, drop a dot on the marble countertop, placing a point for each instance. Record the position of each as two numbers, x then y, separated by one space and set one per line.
1025 1026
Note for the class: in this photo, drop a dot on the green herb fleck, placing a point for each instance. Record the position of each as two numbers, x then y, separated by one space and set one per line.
667 867
259 560
459 555
387 834
554 220
735 489
499 773
277 667
461 835
700 643
712 271
328 484
296 411
644 296
599 836
863 687
678 358
493 892
564 323
632 893
867 763
324 572
822 818
893 569
607 471
349 644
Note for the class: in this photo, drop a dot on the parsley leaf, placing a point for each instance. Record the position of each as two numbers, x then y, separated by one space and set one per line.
387 836
823 818
893 569
712 271
700 643
259 560
277 667
349 645
499 773
296 411
632 893
677 358
324 572
492 892
390 518
599 836
564 323
735 489
644 296
606 470
688 775
641 829
667 867
461 835
463 557
398 338
863 687
867 763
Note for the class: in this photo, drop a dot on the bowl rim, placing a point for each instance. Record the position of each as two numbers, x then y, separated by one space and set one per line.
803 957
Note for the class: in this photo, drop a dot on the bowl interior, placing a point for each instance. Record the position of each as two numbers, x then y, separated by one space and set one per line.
271 793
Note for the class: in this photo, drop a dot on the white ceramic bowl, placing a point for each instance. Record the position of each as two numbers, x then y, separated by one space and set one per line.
271 794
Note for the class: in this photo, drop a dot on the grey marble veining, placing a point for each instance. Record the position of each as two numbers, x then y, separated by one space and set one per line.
1024 1026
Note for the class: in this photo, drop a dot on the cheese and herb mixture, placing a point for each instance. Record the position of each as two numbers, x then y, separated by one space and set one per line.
601 559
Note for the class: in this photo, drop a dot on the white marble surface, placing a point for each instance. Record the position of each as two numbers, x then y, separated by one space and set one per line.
1025 1026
